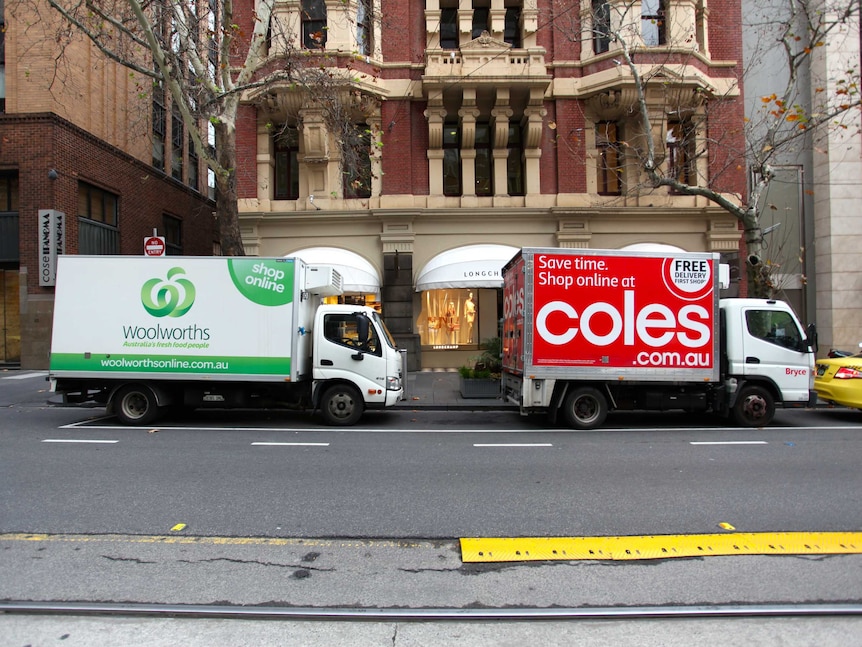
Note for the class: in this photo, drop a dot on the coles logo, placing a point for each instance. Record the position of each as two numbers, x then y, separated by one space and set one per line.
625 311
689 280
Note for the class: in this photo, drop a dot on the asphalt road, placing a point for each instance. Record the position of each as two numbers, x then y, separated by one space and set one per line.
274 510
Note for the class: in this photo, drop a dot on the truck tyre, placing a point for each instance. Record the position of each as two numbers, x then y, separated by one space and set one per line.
341 405
585 408
754 407
135 404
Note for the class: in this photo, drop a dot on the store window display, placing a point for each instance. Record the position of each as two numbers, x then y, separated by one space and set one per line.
448 318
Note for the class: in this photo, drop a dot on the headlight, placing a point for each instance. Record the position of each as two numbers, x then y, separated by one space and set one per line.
393 383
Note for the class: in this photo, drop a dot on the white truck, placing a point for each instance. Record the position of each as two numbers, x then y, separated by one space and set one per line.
142 335
589 331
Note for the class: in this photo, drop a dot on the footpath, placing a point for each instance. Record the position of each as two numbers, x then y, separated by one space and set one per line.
440 390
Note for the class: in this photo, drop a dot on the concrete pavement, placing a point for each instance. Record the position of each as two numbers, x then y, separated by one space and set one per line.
440 389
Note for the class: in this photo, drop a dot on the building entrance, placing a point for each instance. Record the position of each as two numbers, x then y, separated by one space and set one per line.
10 320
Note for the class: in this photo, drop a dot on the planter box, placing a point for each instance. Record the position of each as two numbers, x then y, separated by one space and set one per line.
480 387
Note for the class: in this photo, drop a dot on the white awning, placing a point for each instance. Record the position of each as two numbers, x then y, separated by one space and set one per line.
471 266
652 247
359 275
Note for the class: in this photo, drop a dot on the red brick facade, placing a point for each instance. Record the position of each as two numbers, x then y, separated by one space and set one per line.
33 145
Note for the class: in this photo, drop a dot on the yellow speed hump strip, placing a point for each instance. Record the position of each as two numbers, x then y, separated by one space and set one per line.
525 549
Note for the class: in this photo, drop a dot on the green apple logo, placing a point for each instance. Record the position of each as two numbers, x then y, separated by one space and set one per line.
168 298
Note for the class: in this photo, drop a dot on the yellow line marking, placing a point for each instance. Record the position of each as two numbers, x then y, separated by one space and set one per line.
523 549
207 541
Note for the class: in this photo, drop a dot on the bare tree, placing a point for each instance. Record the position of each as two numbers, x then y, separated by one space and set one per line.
205 58
685 133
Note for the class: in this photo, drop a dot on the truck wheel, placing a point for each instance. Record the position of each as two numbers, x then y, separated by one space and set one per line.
585 408
341 405
754 407
135 404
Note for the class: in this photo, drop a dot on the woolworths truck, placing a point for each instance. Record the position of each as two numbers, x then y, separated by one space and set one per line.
589 331
143 335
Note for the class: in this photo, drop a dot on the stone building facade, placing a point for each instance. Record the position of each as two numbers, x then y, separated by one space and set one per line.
493 124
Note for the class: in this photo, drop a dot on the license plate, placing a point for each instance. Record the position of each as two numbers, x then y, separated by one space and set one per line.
821 369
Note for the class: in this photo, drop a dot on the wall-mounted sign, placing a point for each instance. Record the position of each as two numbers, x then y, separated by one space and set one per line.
52 243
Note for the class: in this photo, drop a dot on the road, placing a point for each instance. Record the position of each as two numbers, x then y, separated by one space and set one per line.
273 510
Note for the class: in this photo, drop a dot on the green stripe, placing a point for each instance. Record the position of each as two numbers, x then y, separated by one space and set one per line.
185 364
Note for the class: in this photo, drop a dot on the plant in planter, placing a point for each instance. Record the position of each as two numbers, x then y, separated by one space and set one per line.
482 379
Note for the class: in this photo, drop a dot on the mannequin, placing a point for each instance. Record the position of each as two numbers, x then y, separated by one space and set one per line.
452 322
469 316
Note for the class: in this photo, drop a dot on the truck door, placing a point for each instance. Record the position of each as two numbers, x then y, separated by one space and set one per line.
351 348
774 346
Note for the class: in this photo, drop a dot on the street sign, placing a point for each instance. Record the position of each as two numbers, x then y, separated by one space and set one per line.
154 246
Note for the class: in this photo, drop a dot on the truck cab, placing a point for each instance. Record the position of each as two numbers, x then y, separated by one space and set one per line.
767 358
356 363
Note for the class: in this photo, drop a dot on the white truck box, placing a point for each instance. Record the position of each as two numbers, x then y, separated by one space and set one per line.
588 331
247 322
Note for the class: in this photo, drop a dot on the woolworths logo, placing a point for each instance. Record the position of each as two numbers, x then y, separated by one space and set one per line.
171 297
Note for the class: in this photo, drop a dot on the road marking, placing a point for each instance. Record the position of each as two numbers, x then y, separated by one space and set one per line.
73 440
265 444
729 442
24 376
524 549
213 540
513 445
91 423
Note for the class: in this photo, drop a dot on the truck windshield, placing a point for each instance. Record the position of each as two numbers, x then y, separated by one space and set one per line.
390 340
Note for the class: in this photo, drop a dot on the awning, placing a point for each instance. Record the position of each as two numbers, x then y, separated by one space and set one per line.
471 266
652 247
359 275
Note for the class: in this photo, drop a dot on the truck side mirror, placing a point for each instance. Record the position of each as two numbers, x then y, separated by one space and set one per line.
362 327
811 337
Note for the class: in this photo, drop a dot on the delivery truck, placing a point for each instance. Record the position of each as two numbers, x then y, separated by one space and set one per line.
586 332
145 335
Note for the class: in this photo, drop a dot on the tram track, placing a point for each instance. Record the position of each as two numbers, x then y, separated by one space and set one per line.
204 611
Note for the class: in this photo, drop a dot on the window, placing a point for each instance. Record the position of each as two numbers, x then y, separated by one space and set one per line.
2 58
448 29
177 139
365 27
652 22
451 160
484 161
353 331
601 26
609 159
774 327
515 161
313 24
8 191
98 216
680 151
287 164
481 17
357 165
194 166
211 178
449 318
159 128
173 233
512 27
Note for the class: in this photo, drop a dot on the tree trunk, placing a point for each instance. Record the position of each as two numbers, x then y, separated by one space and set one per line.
226 200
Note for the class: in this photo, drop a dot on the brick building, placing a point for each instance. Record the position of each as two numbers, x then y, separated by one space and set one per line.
78 164
493 124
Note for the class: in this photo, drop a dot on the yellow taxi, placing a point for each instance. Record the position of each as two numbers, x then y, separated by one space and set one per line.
838 380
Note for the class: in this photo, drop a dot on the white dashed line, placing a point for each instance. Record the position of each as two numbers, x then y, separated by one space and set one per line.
72 440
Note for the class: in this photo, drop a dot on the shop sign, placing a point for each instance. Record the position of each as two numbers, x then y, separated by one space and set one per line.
52 243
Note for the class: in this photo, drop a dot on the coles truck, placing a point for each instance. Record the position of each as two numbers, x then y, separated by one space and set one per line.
589 331
141 335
